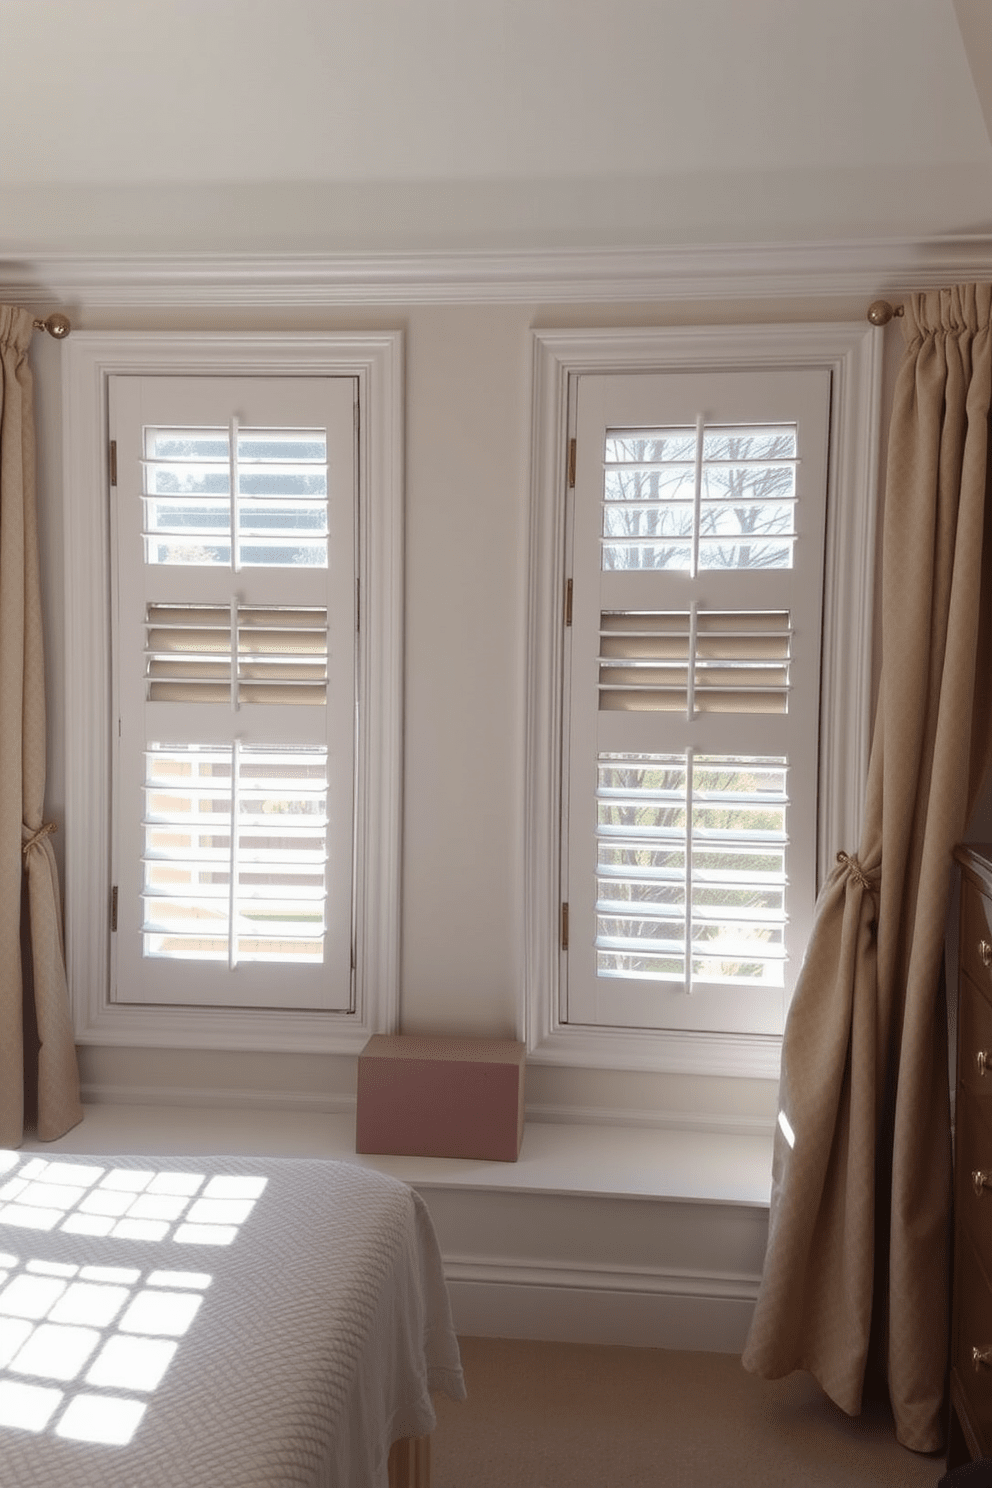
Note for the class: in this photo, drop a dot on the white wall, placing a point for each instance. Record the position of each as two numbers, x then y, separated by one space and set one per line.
301 126
467 460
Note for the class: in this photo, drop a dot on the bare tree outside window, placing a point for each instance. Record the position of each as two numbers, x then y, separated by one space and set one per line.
745 498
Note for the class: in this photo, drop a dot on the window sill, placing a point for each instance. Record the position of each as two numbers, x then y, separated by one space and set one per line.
575 1160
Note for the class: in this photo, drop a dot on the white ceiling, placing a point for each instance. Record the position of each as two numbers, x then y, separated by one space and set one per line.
260 125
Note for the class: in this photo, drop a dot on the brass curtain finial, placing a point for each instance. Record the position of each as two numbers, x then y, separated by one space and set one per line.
880 312
56 324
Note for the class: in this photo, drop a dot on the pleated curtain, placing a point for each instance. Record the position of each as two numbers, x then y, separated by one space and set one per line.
26 854
858 1250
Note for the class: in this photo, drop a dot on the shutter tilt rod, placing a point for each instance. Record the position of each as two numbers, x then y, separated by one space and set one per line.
232 893
233 494
697 497
687 943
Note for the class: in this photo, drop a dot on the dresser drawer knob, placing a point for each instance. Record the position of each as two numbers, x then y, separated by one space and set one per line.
980 1181
985 951
981 1357
984 1061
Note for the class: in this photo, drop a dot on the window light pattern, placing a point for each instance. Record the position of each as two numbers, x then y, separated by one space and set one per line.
267 486
691 499
691 881
83 1347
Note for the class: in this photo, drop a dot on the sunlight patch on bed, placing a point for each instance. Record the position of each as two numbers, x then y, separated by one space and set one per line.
112 1331
30 1407
101 1418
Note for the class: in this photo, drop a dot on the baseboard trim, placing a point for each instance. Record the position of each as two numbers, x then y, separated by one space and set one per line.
654 1281
555 1304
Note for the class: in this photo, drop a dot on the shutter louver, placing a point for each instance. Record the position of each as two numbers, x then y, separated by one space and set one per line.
691 872
738 664
256 893
710 497
251 497
281 654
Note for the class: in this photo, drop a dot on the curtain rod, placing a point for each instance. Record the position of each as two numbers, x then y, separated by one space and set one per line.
880 312
56 324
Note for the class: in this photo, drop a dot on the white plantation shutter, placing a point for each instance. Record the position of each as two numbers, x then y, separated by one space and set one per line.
234 862
692 696
691 868
213 653
234 528
695 660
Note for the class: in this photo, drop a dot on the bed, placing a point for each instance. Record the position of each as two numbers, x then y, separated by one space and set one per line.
217 1323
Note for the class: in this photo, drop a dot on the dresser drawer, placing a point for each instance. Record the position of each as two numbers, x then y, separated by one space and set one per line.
973 1198
975 1041
976 936
973 1331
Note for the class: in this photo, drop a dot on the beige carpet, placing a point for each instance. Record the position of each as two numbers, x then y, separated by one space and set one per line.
543 1415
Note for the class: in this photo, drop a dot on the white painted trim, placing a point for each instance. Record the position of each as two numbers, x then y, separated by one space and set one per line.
889 267
849 595
221 1097
555 1304
652 1119
217 1098
90 359
852 355
653 1281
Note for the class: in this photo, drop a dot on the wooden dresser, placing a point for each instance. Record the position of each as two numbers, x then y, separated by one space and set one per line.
970 1427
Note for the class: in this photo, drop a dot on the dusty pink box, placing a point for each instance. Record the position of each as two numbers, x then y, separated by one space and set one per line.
420 1096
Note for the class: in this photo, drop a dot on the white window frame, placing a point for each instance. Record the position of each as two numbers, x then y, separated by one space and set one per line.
852 353
90 360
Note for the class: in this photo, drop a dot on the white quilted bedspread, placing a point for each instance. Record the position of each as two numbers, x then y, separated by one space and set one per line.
214 1323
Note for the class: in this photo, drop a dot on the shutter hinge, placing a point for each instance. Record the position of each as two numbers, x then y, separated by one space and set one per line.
564 926
358 604
571 462
113 908
113 462
568 601
358 416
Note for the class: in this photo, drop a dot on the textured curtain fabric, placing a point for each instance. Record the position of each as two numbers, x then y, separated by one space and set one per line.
859 1229
25 845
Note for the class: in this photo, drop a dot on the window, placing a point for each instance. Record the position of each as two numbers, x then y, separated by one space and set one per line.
234 587
692 689
234 766
697 735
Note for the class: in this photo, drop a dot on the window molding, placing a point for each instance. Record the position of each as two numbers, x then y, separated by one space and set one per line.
852 353
90 359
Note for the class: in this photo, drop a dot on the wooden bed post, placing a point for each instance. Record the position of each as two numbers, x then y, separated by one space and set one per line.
410 1463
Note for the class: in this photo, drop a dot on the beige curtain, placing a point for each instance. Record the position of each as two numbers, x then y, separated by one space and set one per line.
25 845
862 1176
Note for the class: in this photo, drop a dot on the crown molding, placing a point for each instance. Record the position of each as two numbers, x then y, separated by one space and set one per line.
890 266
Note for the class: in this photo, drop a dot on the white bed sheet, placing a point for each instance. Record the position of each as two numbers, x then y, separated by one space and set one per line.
214 1322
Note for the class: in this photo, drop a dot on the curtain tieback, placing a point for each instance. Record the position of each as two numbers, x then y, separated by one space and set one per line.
45 830
856 871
